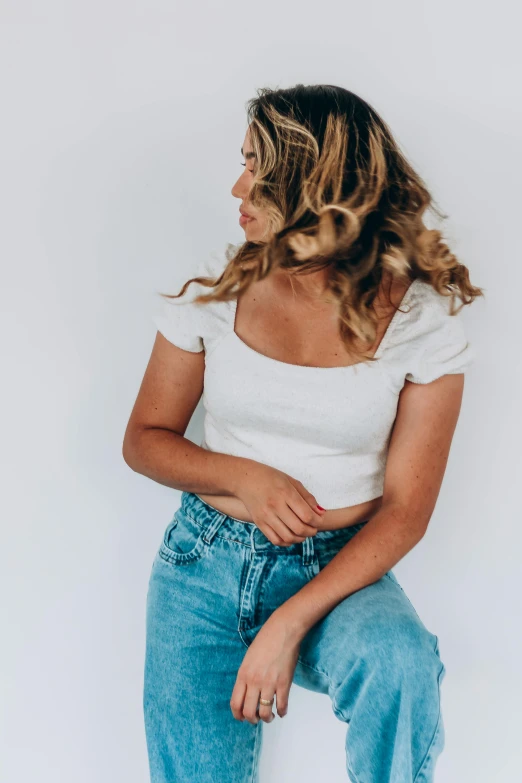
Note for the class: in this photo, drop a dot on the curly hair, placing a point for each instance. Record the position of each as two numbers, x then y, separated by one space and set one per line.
337 193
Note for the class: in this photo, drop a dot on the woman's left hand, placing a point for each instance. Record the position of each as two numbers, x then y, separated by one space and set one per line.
267 670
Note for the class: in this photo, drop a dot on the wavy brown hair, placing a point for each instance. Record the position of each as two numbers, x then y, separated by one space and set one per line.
337 193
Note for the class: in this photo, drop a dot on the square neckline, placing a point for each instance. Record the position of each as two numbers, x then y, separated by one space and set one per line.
300 367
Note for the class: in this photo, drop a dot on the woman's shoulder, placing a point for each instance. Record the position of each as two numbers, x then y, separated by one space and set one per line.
430 311
428 339
195 325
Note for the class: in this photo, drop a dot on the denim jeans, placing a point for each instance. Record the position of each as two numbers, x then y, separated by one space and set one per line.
215 580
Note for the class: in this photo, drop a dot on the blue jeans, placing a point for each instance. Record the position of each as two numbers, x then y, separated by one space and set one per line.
215 580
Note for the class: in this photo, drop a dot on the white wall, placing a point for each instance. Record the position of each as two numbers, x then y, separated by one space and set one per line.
120 141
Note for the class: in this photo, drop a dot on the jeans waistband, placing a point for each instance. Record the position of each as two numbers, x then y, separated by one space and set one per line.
217 523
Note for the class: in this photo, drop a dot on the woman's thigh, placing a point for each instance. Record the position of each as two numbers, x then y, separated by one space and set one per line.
381 668
377 624
193 654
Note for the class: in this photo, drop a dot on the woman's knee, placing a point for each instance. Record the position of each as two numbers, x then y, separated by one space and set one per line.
402 647
397 660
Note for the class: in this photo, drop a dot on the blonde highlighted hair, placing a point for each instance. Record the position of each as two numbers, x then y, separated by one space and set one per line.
337 193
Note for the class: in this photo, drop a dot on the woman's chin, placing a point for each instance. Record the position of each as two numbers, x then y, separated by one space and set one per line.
253 232
250 230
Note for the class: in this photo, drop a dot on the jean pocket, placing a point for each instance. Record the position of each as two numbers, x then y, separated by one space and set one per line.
183 540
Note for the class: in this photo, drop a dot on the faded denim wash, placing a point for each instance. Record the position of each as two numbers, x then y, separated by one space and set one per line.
215 580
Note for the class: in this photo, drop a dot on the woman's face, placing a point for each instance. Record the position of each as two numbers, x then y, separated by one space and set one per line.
252 221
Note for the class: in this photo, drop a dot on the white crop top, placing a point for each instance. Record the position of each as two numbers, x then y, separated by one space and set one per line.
328 427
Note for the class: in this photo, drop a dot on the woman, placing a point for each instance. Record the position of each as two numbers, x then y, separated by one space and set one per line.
318 389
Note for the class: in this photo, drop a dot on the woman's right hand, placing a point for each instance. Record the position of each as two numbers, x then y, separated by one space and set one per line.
280 506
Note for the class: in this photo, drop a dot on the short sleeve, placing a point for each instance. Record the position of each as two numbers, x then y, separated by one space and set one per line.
179 320
188 324
439 344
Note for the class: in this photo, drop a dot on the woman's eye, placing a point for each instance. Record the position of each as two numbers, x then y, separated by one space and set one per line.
250 170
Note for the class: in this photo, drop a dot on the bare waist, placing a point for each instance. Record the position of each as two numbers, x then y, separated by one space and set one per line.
332 519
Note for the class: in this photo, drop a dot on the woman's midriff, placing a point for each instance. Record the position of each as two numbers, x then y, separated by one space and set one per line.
332 519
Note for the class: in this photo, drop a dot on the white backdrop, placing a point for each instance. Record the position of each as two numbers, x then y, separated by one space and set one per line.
120 142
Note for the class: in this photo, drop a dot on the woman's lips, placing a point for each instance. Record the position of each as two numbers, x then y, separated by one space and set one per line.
245 219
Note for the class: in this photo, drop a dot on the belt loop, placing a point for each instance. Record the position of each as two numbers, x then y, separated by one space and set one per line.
308 551
253 539
214 526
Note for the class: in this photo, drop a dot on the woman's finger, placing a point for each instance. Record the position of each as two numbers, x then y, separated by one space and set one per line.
238 698
251 703
295 525
281 530
270 533
282 692
306 511
265 710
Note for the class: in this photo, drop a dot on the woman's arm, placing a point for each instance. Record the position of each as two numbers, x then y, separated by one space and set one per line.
154 443
419 447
